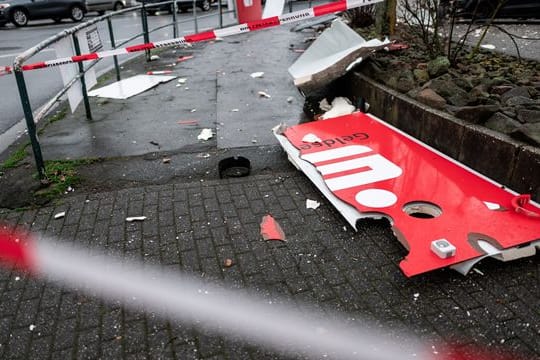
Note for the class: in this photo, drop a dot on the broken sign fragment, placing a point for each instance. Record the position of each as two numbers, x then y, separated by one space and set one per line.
264 94
60 215
258 74
205 134
270 229
184 58
135 218
312 204
340 106
129 87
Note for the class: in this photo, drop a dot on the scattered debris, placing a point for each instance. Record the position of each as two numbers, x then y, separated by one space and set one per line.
162 72
154 57
135 218
182 80
290 99
264 94
311 138
154 143
205 134
270 229
488 46
166 160
184 58
307 24
60 215
298 50
416 296
258 74
17 278
129 87
187 122
228 263
32 327
312 204
478 271
331 56
193 110
340 106
235 110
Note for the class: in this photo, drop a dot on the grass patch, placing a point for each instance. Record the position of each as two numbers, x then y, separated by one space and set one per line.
61 175
58 116
14 159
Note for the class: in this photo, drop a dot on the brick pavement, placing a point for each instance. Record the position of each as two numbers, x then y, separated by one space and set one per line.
195 226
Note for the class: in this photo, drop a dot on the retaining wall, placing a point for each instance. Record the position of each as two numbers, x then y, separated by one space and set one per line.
497 156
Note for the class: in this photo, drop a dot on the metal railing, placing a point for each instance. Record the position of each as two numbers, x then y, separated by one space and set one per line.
32 120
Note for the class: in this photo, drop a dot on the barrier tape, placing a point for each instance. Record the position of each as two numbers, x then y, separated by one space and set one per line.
274 21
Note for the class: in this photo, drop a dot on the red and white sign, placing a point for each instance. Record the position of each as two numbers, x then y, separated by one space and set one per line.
440 210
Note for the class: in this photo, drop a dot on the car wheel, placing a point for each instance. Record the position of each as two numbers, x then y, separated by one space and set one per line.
19 17
118 6
57 20
205 5
76 13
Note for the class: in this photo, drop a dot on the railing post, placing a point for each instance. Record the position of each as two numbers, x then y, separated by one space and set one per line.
83 81
290 5
220 8
30 125
175 25
146 35
195 17
115 58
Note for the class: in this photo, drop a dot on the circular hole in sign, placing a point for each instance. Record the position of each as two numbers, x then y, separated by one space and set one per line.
376 198
236 166
422 210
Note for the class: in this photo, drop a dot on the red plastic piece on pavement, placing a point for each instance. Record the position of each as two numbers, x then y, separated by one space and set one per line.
16 250
270 229
427 196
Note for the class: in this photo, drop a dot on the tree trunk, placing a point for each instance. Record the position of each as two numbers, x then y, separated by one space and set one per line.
386 17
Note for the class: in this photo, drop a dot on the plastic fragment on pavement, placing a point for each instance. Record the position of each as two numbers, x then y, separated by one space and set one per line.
60 215
228 263
488 46
235 110
312 204
129 87
135 218
154 57
205 134
166 160
160 72
290 99
182 80
258 74
271 230
187 122
184 58
264 94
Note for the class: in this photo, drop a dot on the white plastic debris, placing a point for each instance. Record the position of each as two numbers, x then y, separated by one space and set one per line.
193 110
264 94
290 99
478 271
32 327
17 278
324 105
235 110
205 134
312 204
311 138
135 218
416 296
340 106
258 74
154 57
488 46
60 215
182 80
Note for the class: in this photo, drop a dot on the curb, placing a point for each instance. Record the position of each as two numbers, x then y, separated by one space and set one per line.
497 156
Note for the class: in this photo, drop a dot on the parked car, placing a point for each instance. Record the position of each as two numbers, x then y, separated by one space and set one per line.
103 5
182 5
19 12
519 9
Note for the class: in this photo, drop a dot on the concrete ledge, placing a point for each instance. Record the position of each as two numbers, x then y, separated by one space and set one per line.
495 155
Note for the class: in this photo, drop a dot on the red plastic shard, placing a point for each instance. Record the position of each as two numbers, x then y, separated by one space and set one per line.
270 229
434 203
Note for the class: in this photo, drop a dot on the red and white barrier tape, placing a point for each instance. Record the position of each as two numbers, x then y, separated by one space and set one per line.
288 18
177 296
